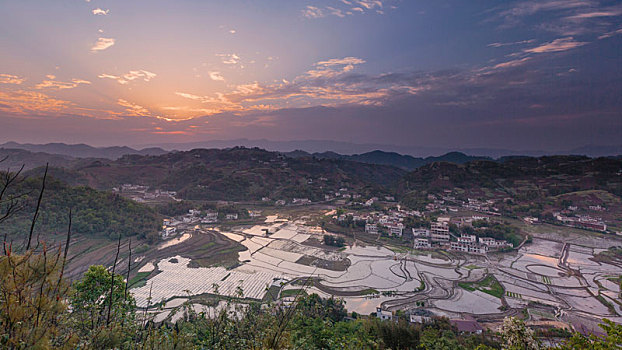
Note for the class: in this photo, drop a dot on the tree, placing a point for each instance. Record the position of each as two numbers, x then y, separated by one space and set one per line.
517 336
90 302
612 340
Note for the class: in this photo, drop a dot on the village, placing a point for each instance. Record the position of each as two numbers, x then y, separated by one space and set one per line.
467 263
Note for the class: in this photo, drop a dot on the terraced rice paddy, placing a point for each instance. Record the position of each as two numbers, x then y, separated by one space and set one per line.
560 278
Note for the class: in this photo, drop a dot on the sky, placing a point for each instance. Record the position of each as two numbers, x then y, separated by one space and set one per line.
522 75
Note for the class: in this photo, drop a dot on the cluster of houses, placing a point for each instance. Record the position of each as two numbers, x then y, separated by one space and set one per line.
468 325
449 203
582 221
140 193
392 222
172 226
438 236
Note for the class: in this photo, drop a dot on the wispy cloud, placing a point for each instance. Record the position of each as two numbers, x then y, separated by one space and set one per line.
216 76
60 85
343 8
312 12
102 44
130 76
333 67
557 45
133 109
521 42
99 11
229 58
595 14
11 79
512 63
564 17
610 34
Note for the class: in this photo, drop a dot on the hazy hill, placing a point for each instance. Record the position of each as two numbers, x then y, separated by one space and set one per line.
15 158
82 150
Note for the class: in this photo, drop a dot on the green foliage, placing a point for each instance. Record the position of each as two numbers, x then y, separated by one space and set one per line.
488 284
90 302
32 310
94 212
612 340
333 241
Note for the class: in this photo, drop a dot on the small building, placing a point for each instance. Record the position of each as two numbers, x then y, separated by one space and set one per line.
440 231
467 239
210 218
395 229
232 216
383 315
420 316
421 232
469 247
168 231
422 243
467 326
371 228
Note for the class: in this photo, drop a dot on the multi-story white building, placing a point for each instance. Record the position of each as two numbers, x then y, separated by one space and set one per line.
472 248
371 228
421 232
422 243
467 239
395 229
440 231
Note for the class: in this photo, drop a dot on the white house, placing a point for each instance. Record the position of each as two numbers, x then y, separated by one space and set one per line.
383 315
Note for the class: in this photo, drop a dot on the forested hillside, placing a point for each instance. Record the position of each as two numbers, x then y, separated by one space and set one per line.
94 212
238 174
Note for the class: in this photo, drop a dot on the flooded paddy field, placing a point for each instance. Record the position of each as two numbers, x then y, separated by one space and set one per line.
550 277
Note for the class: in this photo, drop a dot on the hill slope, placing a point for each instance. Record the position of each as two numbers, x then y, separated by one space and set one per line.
95 213
238 174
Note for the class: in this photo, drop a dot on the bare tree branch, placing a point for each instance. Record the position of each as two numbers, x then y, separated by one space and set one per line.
114 266
34 219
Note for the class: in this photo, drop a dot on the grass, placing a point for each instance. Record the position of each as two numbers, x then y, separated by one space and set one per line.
472 267
398 249
488 285
139 280
292 293
369 291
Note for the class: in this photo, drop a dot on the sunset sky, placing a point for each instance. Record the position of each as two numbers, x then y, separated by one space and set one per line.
508 74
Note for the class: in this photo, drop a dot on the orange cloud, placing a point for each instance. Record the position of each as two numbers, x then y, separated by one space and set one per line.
10 79
132 75
30 102
60 85
133 109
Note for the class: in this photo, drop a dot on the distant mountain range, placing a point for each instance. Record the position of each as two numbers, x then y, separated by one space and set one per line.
347 148
65 155
82 150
